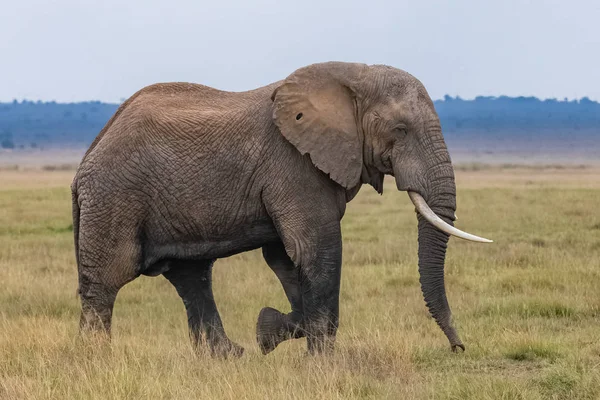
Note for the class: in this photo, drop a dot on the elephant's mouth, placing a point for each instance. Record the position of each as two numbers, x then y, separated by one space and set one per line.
435 220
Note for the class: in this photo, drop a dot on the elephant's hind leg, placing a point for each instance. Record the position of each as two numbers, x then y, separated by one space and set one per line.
100 278
274 327
193 282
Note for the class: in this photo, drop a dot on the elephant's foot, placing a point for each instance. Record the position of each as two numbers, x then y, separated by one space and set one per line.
273 327
269 329
226 349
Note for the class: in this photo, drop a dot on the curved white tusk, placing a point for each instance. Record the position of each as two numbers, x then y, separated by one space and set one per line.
436 221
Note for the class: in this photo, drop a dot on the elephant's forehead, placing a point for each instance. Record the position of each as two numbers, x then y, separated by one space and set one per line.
404 91
399 107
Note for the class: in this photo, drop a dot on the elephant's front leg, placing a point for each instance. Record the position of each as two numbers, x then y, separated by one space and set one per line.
320 298
312 288
274 327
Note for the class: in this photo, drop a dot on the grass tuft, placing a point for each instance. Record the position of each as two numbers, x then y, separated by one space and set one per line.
559 384
529 309
532 352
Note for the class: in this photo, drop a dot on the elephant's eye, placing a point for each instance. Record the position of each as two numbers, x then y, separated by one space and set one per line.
400 131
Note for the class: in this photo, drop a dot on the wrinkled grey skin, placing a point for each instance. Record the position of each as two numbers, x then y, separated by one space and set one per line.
184 174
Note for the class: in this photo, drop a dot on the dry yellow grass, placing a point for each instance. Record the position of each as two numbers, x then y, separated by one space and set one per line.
527 307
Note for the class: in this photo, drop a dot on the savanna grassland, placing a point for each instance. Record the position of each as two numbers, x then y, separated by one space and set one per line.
527 307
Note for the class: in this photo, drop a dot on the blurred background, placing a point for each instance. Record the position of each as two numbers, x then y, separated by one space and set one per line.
514 81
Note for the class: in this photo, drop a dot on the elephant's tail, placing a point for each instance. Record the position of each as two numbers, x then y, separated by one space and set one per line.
76 213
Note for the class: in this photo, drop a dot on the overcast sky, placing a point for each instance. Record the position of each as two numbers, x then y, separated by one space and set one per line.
72 50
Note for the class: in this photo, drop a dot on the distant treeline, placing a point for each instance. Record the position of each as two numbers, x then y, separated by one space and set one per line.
519 113
29 124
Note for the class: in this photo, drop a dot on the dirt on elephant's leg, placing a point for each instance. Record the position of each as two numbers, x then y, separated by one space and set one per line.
321 302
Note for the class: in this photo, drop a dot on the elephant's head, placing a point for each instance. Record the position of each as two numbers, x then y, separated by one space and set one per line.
359 123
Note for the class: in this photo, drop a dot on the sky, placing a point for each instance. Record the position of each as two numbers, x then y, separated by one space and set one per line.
76 50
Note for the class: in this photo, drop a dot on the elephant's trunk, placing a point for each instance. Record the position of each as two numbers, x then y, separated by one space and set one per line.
441 198
436 189
432 254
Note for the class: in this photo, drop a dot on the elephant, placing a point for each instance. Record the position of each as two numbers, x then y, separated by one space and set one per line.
183 174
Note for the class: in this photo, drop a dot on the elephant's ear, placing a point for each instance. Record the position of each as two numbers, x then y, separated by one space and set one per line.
315 109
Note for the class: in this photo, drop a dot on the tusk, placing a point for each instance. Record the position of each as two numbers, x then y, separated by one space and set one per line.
455 217
436 221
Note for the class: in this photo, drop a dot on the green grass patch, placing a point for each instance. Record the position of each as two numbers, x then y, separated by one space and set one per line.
530 309
533 352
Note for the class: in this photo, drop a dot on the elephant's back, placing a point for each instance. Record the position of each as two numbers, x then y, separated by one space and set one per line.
171 99
179 113
178 101
166 131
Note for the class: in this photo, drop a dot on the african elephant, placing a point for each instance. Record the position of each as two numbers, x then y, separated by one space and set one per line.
184 174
